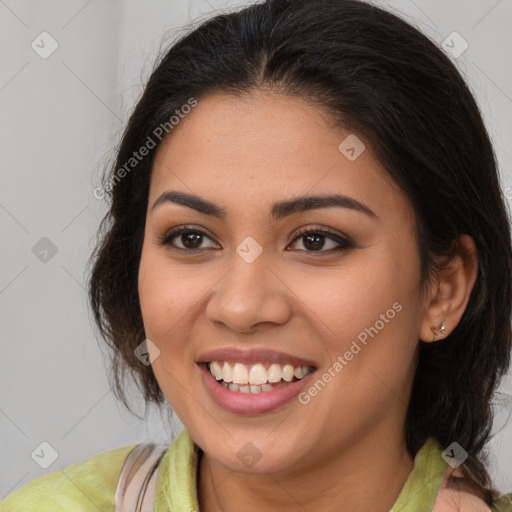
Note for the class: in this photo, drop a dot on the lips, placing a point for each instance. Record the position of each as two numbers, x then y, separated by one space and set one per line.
249 402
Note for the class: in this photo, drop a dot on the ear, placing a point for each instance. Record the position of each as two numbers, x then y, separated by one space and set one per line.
449 293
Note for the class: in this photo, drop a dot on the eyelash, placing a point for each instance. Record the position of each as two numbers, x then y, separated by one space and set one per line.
345 243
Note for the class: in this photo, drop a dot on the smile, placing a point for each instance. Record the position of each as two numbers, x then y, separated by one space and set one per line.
253 399
257 378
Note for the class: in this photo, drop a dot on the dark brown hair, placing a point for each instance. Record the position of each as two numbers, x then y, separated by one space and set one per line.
382 79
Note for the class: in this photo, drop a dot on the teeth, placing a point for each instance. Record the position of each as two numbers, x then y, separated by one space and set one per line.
257 374
227 373
274 373
254 378
216 370
300 371
240 374
287 372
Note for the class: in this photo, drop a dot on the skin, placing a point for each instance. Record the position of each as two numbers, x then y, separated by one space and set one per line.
459 496
345 449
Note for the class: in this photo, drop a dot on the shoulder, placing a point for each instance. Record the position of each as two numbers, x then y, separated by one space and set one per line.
458 496
459 500
503 503
88 485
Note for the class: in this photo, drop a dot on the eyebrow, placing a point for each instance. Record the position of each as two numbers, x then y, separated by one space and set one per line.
279 210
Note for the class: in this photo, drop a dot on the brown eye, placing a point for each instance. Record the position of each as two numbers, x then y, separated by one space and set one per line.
314 240
190 239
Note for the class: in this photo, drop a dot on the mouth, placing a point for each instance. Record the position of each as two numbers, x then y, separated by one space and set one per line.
254 382
238 377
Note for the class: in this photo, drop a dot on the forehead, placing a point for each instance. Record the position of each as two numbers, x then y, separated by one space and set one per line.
268 146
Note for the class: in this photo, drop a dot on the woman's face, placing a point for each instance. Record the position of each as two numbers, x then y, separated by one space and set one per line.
248 282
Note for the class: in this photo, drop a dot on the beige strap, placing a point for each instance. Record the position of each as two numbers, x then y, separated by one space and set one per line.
136 488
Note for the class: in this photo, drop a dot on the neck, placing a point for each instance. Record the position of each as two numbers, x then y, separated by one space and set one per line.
368 475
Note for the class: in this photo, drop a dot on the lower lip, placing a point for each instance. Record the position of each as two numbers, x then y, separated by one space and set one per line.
251 403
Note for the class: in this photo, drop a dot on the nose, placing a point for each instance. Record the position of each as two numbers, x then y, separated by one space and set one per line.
249 296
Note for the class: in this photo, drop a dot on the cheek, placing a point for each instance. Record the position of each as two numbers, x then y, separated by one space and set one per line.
165 302
368 314
346 300
163 297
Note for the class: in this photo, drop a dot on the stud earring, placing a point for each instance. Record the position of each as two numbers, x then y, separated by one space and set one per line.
442 329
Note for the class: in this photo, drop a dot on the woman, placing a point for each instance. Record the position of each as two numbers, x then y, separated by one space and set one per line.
308 257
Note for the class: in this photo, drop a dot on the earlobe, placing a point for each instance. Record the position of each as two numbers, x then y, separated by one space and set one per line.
441 330
450 292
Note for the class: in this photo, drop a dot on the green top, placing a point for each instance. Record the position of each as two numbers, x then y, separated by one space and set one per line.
90 485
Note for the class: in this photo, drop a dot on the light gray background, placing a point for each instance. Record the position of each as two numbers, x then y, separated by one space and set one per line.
60 118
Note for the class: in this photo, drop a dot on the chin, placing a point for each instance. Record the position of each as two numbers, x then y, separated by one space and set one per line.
254 456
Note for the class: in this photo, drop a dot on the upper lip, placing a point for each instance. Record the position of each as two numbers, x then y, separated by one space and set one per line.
253 356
